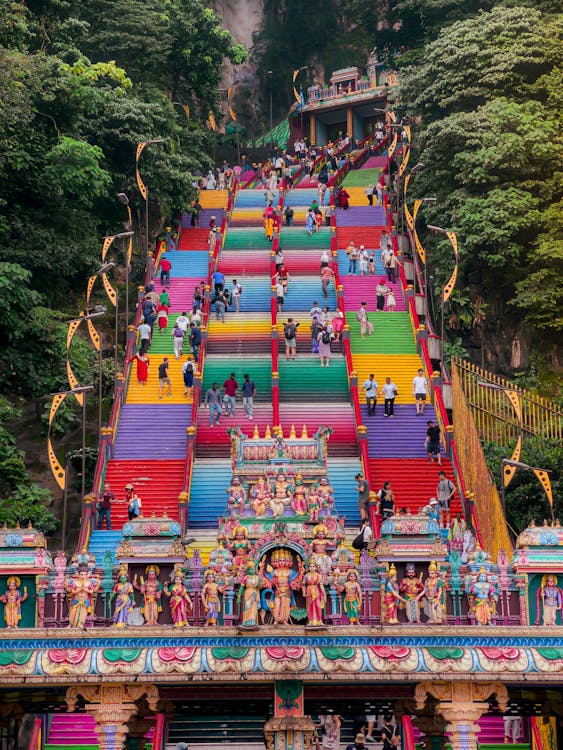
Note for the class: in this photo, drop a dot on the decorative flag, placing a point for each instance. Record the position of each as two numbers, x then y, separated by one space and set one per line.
545 483
106 245
110 291
212 122
140 183
73 382
89 287
408 215
508 471
58 471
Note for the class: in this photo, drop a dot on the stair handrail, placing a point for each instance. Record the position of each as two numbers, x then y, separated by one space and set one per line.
159 734
536 734
408 732
36 739
274 317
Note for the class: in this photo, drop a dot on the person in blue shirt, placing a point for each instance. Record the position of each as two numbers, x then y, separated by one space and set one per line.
218 280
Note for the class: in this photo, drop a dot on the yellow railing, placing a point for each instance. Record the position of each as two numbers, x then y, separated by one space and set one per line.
478 481
493 413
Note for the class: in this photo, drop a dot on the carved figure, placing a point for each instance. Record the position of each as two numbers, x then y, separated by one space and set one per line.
412 590
551 599
326 493
319 545
299 497
434 594
314 503
484 598
241 547
124 598
181 605
281 486
261 496
12 600
151 593
236 498
352 597
282 580
315 595
210 599
391 597
249 594
81 588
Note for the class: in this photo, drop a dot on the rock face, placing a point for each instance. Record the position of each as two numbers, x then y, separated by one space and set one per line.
241 17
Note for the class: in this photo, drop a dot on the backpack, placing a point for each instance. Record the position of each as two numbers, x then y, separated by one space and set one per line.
325 337
289 331
359 315
189 367
359 541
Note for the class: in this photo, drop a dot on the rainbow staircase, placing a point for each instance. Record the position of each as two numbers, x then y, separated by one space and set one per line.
395 445
71 731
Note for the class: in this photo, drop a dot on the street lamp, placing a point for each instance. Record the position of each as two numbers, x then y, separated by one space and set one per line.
143 189
448 287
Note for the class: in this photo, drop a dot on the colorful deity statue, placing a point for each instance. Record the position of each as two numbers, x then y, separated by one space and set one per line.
412 590
391 597
315 595
326 493
261 496
181 606
314 503
435 595
279 448
298 494
236 498
281 489
81 588
249 595
352 597
550 598
319 546
210 598
151 594
124 598
12 600
281 580
482 597
240 546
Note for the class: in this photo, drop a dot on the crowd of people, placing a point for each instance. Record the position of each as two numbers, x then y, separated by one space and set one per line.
222 401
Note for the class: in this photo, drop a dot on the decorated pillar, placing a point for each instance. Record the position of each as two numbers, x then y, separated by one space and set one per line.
289 729
112 706
312 128
461 704
349 121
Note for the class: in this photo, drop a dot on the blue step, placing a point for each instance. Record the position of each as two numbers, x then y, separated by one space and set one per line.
301 197
255 198
341 473
103 541
194 264
344 262
256 294
303 290
208 498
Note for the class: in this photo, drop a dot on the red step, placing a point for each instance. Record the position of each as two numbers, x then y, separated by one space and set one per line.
368 236
194 239
238 264
158 484
413 480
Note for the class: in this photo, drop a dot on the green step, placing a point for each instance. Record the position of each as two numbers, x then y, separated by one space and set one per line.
162 342
305 380
246 239
392 334
260 371
361 177
78 746
297 236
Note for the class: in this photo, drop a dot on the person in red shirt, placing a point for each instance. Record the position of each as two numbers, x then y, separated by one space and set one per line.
230 387
165 267
283 277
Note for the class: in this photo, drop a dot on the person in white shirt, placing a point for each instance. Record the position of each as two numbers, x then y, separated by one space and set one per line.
325 259
389 393
364 256
236 290
370 386
315 310
419 391
183 322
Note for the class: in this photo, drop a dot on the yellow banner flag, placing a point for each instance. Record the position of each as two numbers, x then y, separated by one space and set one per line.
59 473
450 285
186 110
212 122
140 183
73 383
106 245
91 282
110 291
408 215
72 326
508 471
514 398
545 483
94 335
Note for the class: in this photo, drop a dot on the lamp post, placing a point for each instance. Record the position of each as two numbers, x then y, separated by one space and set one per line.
143 189
448 287
270 74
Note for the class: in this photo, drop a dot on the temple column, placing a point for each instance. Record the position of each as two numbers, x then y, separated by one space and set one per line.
289 729
350 121
312 128
461 704
112 706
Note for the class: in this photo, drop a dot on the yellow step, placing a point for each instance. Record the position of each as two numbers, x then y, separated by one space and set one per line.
357 196
401 368
213 198
236 325
148 393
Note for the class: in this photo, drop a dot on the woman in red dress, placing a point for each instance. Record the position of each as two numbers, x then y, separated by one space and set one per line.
162 317
142 366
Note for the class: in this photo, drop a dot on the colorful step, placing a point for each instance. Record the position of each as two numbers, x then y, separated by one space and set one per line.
152 431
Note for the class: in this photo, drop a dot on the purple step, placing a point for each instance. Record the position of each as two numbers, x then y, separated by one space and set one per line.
152 431
205 217
361 216
400 437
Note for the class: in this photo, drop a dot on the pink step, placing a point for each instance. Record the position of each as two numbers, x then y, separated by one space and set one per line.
358 288
180 293
71 729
